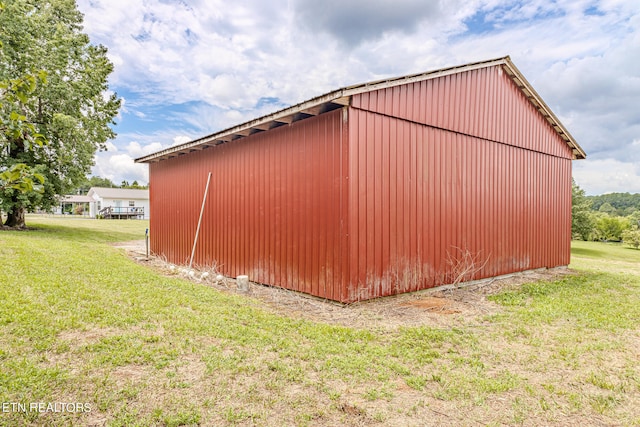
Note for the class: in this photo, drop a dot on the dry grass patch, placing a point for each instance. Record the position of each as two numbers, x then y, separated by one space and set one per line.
143 346
430 307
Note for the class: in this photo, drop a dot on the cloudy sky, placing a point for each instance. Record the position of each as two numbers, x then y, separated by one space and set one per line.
188 68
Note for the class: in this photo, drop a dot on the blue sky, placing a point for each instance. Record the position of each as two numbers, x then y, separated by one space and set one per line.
186 69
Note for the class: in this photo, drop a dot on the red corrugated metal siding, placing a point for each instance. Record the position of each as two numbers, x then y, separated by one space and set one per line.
377 204
421 195
487 174
275 209
485 103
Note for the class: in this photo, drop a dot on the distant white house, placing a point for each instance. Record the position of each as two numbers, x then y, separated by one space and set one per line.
74 205
119 203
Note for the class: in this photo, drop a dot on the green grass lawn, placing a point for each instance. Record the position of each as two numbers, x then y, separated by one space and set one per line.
81 322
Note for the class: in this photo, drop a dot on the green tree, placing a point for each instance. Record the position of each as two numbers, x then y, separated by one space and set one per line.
19 177
134 185
631 236
73 110
581 220
624 203
15 125
607 208
95 181
634 219
610 227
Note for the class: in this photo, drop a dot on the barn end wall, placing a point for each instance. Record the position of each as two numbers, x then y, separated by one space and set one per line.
446 178
484 103
274 211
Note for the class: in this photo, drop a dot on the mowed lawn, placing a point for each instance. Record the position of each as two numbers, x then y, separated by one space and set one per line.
82 323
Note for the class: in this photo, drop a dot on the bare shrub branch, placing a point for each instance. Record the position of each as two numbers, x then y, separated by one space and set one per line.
464 264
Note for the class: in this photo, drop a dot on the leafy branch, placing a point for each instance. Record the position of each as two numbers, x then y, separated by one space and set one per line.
16 131
14 122
20 177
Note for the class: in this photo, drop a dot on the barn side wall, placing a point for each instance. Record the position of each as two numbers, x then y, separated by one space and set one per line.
274 211
441 190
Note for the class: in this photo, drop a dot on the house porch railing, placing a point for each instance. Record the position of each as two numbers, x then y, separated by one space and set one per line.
121 212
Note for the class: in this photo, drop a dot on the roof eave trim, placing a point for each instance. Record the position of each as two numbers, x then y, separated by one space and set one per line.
281 116
341 96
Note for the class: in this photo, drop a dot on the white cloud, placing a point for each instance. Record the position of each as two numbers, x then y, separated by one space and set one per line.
217 60
135 150
607 176
180 139
119 167
110 146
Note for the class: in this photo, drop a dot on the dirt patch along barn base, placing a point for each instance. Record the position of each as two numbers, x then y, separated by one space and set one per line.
445 306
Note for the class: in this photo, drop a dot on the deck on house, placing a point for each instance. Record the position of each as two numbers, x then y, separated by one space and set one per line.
118 212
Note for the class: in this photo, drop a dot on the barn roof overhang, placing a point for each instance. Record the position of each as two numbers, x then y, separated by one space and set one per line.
342 97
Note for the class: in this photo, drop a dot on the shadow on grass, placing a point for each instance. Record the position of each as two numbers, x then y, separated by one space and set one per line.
588 252
78 234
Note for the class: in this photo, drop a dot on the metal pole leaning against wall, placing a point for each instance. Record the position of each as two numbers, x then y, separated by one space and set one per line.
195 239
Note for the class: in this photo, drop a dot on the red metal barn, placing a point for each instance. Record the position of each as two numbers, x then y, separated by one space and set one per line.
377 189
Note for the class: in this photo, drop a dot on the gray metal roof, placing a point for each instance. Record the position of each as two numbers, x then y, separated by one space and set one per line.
76 198
338 98
119 193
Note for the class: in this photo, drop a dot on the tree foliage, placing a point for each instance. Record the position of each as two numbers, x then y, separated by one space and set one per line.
134 185
613 218
15 125
20 177
94 181
581 219
16 118
631 236
607 208
73 111
622 204
610 228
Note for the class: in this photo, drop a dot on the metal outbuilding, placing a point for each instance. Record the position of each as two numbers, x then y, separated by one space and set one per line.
376 189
